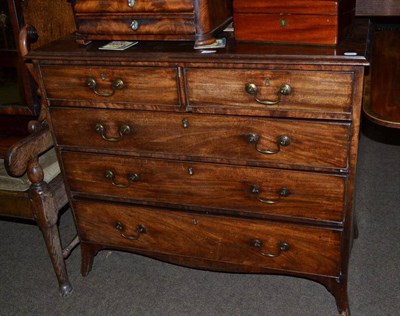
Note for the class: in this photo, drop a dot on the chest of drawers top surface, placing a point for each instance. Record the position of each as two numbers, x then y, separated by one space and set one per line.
351 50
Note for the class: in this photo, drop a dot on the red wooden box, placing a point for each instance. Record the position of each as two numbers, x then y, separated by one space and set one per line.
321 22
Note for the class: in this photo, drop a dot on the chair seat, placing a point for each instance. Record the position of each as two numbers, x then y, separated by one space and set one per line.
50 166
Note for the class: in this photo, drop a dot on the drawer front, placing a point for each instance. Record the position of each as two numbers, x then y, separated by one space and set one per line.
137 25
238 91
137 85
287 28
130 6
238 241
212 186
240 140
325 7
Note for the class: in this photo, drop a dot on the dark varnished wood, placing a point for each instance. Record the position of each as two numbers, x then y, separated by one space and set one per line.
312 91
236 53
216 138
118 27
215 238
323 7
296 22
120 6
205 131
382 100
142 85
52 19
199 186
186 20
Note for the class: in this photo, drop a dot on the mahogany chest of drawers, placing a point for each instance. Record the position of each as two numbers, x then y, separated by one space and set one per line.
241 161
321 22
190 20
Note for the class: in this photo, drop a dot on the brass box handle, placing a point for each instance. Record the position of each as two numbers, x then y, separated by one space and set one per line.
140 229
117 84
282 141
280 247
252 89
132 177
282 192
124 129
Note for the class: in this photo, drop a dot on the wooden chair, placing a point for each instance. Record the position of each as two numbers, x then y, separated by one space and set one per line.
31 186
38 193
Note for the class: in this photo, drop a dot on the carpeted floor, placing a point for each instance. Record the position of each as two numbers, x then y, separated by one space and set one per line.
126 284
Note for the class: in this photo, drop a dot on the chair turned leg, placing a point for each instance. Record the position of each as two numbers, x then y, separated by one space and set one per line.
54 248
46 215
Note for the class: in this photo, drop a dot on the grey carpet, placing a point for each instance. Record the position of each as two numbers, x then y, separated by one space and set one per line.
126 284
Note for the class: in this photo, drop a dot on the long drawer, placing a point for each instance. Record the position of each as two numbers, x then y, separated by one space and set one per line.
204 185
240 140
94 86
238 241
130 6
245 91
137 25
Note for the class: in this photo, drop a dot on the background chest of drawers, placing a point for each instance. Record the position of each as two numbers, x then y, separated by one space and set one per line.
239 161
192 20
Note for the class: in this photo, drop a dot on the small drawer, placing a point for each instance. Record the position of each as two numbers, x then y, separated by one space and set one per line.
262 244
314 196
130 6
97 86
240 140
136 25
258 92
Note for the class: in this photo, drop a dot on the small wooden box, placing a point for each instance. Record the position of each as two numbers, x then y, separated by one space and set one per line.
320 22
196 20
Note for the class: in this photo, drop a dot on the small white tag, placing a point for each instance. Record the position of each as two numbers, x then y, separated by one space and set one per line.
209 51
350 54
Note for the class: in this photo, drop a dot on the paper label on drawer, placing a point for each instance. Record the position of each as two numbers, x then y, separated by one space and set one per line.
118 45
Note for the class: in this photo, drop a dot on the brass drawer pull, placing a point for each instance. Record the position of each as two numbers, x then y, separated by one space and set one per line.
284 89
283 192
281 246
283 140
123 130
131 3
117 84
140 229
132 177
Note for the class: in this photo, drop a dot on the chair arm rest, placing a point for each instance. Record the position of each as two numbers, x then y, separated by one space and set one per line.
18 156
